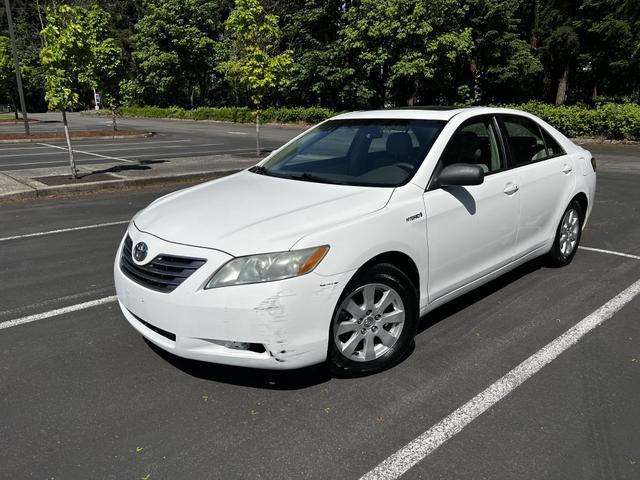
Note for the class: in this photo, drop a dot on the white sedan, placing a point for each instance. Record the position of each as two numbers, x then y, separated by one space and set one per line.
334 246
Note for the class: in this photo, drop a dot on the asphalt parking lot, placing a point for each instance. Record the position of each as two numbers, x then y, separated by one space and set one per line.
171 140
82 395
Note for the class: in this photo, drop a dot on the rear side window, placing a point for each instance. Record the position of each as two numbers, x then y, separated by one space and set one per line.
529 142
553 149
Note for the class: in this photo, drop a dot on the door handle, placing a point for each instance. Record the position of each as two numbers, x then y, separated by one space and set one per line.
511 189
567 169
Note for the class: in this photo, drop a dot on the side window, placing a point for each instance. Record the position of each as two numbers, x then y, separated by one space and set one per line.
476 143
527 144
553 149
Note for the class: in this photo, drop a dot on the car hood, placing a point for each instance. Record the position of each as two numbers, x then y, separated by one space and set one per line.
250 213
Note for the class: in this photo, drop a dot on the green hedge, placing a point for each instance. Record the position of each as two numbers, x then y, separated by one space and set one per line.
611 120
234 114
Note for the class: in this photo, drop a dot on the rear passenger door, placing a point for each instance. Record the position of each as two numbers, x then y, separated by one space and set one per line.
545 177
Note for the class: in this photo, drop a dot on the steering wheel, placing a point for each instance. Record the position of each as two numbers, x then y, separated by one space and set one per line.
406 166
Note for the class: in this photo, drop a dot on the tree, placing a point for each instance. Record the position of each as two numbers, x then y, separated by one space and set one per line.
323 73
7 78
255 60
404 45
75 54
507 66
610 54
175 47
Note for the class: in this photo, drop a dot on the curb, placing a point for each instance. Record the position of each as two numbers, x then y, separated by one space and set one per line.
90 137
108 185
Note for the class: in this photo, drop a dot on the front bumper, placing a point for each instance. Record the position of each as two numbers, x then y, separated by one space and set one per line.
289 318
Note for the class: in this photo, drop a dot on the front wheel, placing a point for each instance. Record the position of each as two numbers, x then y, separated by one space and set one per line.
568 234
374 323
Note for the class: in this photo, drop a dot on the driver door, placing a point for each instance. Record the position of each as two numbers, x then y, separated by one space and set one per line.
471 230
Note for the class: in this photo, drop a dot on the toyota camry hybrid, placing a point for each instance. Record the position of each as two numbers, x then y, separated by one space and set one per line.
332 247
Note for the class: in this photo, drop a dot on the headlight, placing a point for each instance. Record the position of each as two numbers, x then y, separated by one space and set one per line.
267 267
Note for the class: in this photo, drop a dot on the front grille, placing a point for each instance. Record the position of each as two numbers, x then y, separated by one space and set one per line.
163 274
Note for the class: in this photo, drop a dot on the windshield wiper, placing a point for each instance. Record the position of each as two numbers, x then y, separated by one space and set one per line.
310 177
259 169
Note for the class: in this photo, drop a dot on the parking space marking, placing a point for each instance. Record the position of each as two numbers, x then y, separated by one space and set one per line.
422 446
62 230
610 252
56 312
88 153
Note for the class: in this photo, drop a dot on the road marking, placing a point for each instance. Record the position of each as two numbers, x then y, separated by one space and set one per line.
58 311
195 154
610 252
54 301
62 230
84 145
419 448
51 162
165 146
239 133
126 148
87 153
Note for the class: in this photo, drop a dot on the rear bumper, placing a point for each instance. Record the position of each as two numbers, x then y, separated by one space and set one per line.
289 318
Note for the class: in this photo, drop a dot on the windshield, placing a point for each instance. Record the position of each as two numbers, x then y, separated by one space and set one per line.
384 153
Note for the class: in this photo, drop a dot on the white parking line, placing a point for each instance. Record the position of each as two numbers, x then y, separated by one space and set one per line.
610 252
47 162
126 148
88 153
56 312
83 145
62 230
419 448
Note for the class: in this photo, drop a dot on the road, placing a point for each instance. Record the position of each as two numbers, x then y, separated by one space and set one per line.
83 396
171 140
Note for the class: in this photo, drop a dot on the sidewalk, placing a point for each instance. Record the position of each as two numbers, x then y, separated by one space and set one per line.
33 183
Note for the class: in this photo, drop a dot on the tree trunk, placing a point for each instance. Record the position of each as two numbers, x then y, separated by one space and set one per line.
258 132
594 92
72 160
561 94
114 122
533 40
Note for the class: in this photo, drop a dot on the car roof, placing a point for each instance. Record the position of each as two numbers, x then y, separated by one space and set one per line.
421 113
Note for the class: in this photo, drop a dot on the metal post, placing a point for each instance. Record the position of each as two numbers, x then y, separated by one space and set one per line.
16 62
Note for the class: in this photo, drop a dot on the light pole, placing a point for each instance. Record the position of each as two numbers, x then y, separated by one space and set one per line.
16 63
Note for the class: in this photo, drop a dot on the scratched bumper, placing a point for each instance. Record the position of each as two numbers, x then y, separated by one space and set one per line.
290 318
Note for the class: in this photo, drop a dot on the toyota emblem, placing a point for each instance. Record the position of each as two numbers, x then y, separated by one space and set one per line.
140 251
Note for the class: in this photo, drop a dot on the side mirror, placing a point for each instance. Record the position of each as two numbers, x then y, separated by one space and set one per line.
461 174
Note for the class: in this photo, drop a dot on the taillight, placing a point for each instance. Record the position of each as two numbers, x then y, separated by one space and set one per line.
593 163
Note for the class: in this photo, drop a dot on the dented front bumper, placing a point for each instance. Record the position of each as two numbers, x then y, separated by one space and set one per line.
289 318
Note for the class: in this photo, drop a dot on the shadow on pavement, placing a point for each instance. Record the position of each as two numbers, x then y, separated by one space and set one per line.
468 299
247 377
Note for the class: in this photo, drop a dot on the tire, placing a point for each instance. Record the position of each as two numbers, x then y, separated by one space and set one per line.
568 234
368 336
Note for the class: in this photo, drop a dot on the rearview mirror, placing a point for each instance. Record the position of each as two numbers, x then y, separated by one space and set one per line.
461 174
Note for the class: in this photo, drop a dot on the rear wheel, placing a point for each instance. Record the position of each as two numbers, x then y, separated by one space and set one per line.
568 234
374 323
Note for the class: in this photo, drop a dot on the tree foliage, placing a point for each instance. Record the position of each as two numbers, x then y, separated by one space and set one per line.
77 53
255 60
349 54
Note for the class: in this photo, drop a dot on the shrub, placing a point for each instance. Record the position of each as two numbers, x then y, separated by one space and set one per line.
234 114
610 120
